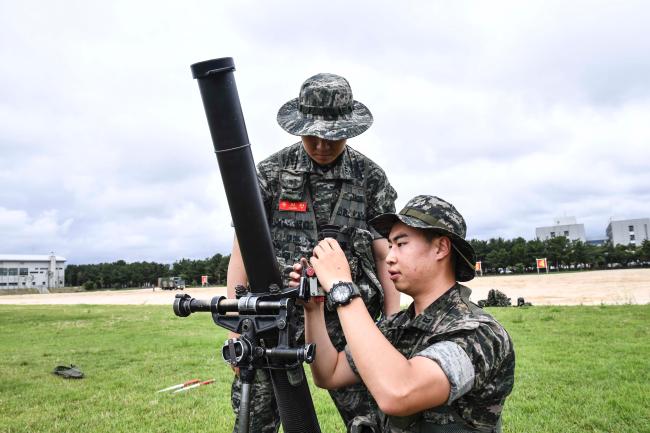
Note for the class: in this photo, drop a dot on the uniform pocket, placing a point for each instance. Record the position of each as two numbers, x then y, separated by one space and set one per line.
292 185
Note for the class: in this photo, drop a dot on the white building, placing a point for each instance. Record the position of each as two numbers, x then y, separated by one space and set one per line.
628 232
564 226
23 271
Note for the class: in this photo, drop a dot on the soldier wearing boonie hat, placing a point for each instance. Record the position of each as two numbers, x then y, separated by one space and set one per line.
325 108
443 365
438 216
320 187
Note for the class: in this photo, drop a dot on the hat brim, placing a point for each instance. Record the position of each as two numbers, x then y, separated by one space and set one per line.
344 126
465 257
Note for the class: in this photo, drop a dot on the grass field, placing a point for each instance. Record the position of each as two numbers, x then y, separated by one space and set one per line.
579 369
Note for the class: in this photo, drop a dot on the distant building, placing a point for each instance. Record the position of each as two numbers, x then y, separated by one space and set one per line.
564 226
23 271
626 232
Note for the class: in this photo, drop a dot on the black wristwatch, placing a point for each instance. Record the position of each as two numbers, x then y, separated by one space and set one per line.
341 294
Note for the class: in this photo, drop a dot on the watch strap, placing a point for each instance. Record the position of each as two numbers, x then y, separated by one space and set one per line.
332 303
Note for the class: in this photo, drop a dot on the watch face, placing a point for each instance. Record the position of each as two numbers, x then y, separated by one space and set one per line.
341 293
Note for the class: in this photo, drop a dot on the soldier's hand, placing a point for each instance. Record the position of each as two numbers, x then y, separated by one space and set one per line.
296 273
295 277
330 263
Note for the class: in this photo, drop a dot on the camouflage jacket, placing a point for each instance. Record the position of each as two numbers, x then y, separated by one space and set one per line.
301 197
453 331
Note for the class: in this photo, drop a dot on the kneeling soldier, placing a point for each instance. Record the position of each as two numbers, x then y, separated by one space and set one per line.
443 364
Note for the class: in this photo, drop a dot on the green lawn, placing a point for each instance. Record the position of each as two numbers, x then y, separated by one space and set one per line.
579 369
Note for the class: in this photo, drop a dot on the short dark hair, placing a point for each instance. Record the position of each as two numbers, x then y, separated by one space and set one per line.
431 235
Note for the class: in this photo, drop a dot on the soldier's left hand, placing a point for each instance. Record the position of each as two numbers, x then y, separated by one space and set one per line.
330 263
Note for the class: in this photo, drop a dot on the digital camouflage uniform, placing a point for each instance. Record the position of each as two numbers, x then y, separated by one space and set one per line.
346 194
472 349
453 331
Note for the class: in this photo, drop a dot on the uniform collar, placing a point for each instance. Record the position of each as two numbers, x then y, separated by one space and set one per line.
435 311
341 168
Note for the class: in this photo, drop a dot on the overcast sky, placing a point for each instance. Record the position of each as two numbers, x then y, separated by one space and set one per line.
516 112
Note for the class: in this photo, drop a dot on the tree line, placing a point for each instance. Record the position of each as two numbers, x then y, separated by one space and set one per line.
518 255
496 256
120 274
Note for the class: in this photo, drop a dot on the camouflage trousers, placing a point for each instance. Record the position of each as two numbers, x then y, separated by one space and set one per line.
351 402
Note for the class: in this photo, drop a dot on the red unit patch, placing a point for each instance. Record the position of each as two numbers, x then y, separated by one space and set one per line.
293 206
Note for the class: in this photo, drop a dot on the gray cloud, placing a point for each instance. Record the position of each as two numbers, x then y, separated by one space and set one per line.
516 112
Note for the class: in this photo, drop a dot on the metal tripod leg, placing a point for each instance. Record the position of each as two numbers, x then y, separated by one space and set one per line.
247 376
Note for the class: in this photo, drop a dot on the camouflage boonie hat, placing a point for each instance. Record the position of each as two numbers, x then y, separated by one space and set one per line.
325 108
433 213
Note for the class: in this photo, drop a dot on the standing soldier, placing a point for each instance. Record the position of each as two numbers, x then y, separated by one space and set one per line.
321 187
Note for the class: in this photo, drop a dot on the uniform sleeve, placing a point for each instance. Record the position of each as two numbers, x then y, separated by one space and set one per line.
456 365
470 358
348 356
380 195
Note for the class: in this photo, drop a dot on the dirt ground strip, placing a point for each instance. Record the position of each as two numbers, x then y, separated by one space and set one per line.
621 286
629 286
